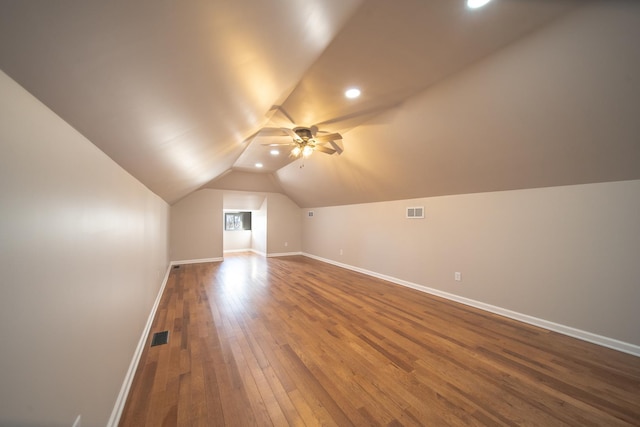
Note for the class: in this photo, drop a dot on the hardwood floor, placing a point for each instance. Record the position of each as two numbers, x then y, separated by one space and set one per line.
293 341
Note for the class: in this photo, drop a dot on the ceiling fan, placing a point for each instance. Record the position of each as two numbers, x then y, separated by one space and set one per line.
304 140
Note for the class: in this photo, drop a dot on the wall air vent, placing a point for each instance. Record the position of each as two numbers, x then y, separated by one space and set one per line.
310 214
160 338
415 212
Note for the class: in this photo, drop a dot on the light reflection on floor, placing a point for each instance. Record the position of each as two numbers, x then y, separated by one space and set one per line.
237 274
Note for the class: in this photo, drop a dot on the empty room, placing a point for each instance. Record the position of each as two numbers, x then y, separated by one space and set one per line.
304 213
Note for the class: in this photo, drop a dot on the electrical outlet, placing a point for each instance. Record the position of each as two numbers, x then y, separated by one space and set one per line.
457 276
286 244
340 251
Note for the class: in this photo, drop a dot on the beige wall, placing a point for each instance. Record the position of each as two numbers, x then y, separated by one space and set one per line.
259 229
196 227
197 231
83 252
567 255
284 232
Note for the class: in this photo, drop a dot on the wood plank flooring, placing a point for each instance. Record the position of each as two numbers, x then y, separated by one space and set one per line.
259 341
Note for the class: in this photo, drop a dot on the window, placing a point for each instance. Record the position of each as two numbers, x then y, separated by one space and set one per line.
237 221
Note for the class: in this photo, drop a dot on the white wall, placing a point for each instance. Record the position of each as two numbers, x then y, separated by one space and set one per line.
196 227
237 240
83 252
567 255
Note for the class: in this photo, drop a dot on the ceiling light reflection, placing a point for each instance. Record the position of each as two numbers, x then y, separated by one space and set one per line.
474 4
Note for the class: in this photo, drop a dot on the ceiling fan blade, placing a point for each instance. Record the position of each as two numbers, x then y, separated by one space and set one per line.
292 134
337 147
329 137
324 149
278 144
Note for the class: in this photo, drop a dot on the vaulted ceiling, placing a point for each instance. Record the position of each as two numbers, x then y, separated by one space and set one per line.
175 92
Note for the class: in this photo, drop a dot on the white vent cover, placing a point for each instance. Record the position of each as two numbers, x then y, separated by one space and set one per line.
309 214
415 212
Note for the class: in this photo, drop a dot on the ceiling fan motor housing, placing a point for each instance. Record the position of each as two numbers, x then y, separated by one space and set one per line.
304 133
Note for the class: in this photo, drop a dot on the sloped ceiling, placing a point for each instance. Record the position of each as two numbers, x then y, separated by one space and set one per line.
454 100
168 89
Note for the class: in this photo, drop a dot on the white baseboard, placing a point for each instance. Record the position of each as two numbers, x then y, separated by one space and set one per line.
232 251
116 413
273 255
556 327
196 261
270 255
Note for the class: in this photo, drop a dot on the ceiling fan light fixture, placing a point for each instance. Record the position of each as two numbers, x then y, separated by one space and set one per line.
474 4
307 150
352 93
296 151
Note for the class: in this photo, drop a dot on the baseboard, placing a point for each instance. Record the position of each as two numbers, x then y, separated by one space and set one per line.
196 261
555 327
231 251
273 255
114 419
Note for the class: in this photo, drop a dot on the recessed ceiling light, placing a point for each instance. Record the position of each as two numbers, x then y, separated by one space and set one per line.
274 152
354 92
259 165
474 4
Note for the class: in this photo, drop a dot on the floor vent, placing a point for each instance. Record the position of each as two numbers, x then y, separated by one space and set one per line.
160 338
